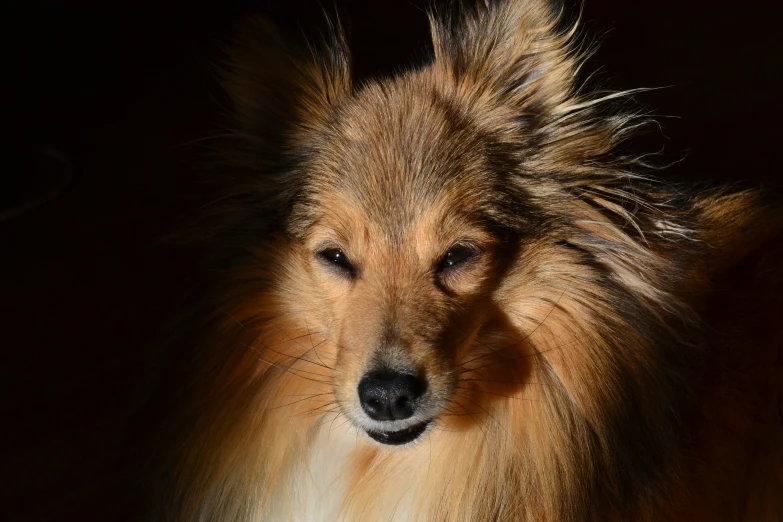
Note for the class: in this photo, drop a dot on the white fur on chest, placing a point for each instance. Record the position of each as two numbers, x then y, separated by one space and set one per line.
318 484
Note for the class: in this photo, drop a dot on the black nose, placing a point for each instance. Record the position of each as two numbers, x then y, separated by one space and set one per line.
387 395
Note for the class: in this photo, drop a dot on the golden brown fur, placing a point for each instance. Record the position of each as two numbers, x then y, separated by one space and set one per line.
612 351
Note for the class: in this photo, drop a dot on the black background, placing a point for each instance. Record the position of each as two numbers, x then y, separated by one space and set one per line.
126 93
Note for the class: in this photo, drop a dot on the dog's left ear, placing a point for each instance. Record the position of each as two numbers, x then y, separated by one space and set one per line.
280 89
737 225
506 51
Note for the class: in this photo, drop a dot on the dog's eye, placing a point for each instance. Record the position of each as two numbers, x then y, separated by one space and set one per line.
338 259
458 255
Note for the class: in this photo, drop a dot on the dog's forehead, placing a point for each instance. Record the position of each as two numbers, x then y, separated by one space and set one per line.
399 149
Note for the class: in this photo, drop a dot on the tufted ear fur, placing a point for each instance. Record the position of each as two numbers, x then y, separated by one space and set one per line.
279 90
513 66
509 52
737 227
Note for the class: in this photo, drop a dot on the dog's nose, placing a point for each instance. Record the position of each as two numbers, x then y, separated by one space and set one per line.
387 395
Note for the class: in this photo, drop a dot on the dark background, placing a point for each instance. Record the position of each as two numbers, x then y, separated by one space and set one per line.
127 95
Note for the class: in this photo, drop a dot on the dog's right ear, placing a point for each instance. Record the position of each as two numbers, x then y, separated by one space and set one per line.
280 90
508 52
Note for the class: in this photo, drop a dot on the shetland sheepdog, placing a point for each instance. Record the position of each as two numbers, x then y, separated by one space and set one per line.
452 295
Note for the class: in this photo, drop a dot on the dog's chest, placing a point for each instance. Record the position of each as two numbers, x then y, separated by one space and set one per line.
319 485
321 481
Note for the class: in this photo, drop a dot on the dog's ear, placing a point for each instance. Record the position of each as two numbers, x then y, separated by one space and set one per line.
736 226
506 51
279 89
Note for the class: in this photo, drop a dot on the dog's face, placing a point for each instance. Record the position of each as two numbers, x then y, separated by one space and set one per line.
402 251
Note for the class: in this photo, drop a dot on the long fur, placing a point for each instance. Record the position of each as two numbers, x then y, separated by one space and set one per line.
575 365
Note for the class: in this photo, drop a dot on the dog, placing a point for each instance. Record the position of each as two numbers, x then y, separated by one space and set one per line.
452 295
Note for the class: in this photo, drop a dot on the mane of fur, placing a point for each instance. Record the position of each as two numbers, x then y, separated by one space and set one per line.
606 334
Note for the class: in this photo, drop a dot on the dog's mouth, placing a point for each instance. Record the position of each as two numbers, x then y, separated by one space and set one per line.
398 438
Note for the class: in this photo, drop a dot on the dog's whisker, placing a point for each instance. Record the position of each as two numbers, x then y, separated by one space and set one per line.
289 356
526 337
346 421
493 351
320 410
295 372
306 398
487 392
500 381
473 417
500 424
314 350
535 354
336 414
295 338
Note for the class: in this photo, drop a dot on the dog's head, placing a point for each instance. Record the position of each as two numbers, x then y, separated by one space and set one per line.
459 231
434 222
